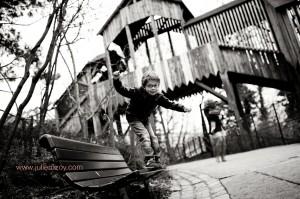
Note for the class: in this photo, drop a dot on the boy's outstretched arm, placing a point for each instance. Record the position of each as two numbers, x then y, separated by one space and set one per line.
166 103
126 92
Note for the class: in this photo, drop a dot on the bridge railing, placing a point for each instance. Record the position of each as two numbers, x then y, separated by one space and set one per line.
241 23
293 13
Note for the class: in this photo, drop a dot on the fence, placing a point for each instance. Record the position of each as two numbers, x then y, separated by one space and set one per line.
280 124
195 146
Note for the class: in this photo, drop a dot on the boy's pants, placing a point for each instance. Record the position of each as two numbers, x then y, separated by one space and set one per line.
146 136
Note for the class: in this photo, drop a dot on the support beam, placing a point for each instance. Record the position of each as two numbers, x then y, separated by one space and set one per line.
210 90
93 104
131 45
110 111
187 40
148 53
82 83
234 103
171 44
154 30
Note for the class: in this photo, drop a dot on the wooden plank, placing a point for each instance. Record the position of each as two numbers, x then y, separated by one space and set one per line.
225 26
196 35
93 165
131 45
234 24
260 41
88 175
207 32
200 33
246 16
97 183
217 28
50 142
279 3
239 27
221 29
263 17
230 25
65 154
187 68
210 90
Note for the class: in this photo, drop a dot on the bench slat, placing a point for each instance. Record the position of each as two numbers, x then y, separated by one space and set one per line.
65 154
80 176
50 142
86 166
97 183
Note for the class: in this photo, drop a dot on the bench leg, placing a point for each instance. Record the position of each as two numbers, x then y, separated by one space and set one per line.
123 193
146 184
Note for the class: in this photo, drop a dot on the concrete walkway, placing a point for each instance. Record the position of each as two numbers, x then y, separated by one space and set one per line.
269 173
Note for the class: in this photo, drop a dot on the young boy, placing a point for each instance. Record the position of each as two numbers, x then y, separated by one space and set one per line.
142 103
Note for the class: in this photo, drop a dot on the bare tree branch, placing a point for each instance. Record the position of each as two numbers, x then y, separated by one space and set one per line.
11 91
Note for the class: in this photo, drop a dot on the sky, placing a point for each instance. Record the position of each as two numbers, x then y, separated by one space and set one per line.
89 46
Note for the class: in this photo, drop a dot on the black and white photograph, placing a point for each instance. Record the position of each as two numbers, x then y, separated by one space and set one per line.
150 99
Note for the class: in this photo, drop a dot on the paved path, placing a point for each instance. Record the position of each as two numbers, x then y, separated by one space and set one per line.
268 173
193 184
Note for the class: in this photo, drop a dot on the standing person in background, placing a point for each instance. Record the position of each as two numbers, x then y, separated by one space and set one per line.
217 133
142 103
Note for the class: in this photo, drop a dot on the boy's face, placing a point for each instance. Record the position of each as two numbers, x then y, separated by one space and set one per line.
152 87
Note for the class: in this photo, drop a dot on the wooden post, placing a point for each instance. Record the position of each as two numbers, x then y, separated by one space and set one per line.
119 125
93 103
148 53
236 106
56 119
212 32
286 39
131 45
200 144
110 110
171 44
279 126
154 30
210 90
195 148
186 37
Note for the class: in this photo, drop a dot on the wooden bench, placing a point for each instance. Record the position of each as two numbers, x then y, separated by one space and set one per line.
100 167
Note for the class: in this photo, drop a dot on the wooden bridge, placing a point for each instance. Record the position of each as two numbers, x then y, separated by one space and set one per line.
245 41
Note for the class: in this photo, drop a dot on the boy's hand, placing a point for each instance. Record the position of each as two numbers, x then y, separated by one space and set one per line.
116 74
187 109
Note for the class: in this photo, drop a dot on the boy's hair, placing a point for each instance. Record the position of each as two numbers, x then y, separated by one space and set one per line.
149 75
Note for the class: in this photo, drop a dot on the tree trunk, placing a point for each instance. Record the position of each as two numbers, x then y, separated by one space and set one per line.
29 60
166 134
34 81
82 119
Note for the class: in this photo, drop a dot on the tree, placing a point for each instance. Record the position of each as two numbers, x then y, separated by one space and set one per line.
10 37
56 18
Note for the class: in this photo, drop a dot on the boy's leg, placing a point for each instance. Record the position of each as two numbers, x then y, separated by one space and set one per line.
143 136
154 161
153 139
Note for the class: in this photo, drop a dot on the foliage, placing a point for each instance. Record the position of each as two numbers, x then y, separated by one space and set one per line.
10 37
10 10
247 98
22 184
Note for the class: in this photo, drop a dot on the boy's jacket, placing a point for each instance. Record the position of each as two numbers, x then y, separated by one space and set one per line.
142 104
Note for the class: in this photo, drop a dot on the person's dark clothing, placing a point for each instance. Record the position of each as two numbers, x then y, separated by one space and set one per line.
214 118
142 104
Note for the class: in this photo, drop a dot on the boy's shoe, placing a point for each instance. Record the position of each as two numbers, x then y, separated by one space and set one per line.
152 164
